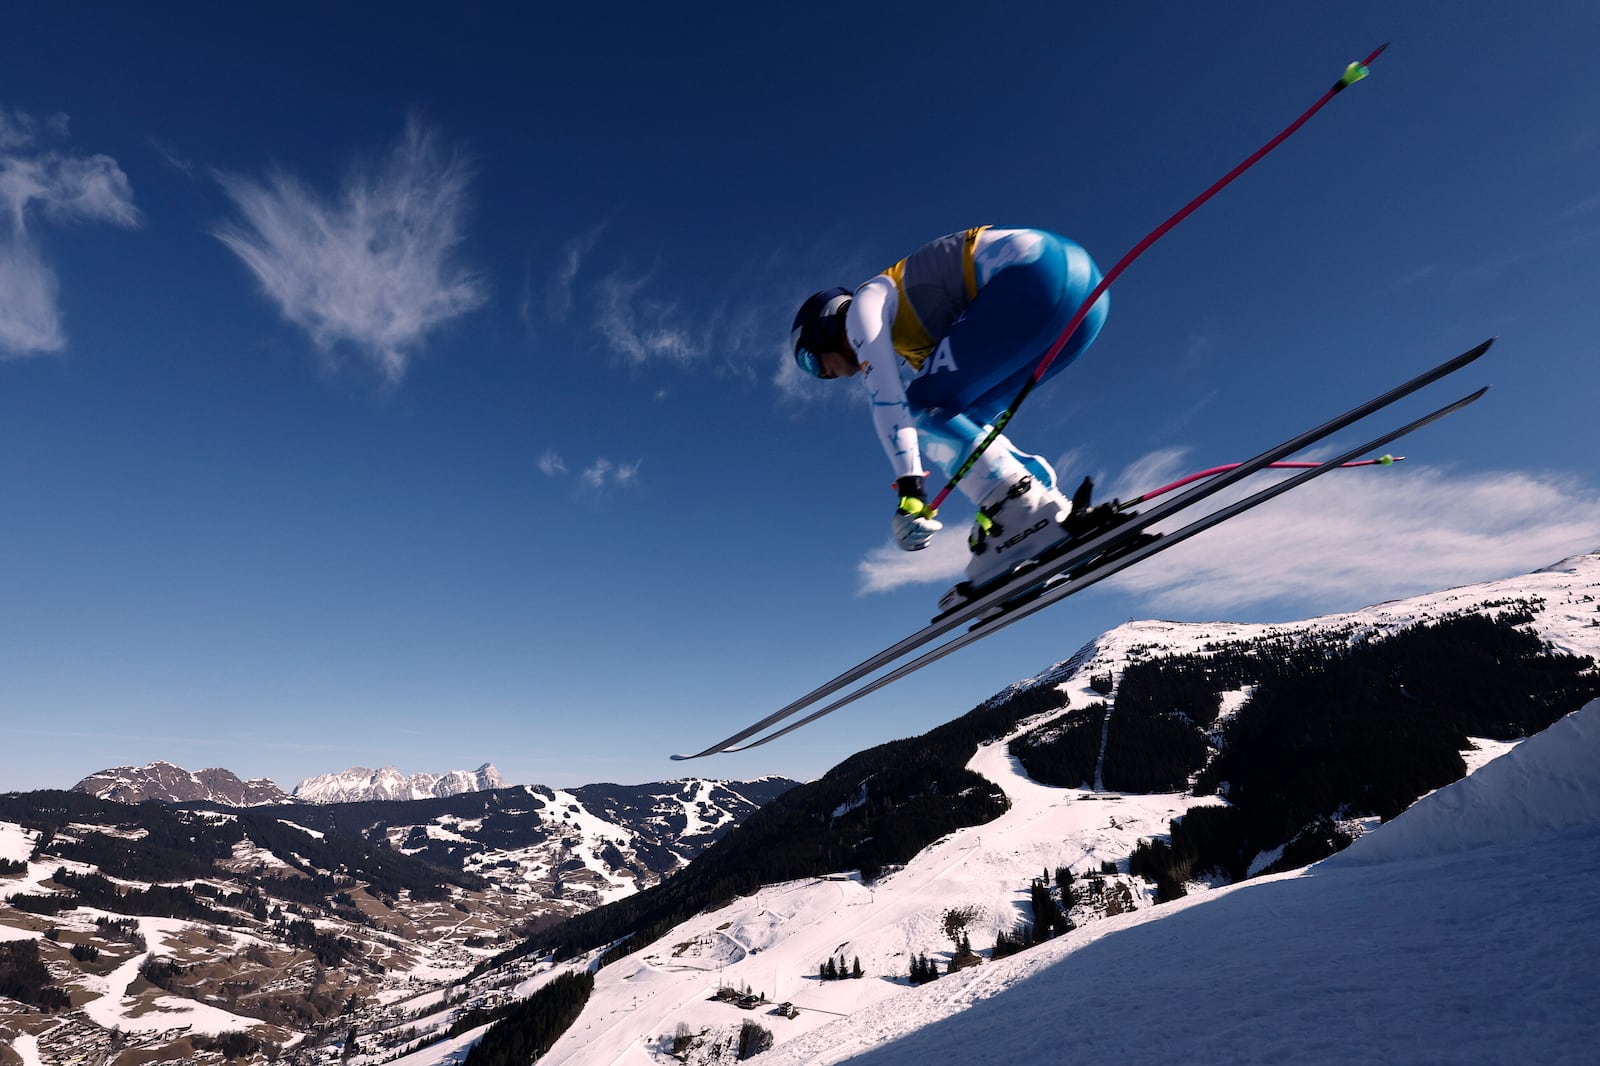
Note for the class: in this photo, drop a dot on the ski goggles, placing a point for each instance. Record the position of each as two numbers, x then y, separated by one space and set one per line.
809 362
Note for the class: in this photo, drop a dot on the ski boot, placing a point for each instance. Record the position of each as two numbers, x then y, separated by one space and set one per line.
1010 530
1039 524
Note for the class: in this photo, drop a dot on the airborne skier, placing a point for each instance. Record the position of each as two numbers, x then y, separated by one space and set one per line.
967 313
943 340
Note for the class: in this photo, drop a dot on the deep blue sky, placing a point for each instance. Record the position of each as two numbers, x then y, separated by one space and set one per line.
402 384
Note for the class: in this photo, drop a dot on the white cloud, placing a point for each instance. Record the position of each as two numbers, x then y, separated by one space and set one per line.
603 472
598 475
637 327
594 475
59 187
1351 539
559 295
552 465
943 561
373 267
1343 541
171 159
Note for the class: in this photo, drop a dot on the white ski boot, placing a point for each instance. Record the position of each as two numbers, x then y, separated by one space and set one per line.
1012 528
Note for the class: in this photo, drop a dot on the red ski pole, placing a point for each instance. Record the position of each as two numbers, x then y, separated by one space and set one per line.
1352 74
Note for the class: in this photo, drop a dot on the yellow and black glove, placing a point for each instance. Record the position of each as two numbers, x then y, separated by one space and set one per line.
914 523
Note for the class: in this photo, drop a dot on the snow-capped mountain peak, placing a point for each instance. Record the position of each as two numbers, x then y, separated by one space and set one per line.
173 784
359 784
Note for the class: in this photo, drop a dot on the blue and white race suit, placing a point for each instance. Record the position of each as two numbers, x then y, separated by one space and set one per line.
947 336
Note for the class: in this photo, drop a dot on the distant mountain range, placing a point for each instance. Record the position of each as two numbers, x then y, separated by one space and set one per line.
166 783
359 785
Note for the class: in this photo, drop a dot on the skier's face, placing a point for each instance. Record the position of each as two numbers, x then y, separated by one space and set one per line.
838 365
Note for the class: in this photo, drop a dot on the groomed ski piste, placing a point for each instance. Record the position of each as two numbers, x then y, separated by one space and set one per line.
1466 930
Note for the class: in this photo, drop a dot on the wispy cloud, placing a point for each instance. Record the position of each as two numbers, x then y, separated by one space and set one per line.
603 472
1348 540
639 327
1343 541
552 465
886 567
1583 207
600 474
558 297
37 181
373 266
171 159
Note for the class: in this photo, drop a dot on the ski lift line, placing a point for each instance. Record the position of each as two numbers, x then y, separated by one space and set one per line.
1077 584
1382 460
1352 74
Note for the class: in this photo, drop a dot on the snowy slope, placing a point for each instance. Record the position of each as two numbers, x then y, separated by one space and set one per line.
1466 930
1343 962
1408 950
1564 600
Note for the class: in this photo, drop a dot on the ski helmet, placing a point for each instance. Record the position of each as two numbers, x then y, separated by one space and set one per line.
819 328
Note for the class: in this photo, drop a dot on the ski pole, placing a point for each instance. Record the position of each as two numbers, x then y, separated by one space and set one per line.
1352 74
1382 460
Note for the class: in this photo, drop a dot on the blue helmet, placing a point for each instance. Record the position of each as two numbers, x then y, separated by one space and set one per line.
818 328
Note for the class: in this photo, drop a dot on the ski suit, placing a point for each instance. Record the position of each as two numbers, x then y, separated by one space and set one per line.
966 319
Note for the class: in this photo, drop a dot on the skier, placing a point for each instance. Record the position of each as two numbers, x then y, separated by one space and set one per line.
943 340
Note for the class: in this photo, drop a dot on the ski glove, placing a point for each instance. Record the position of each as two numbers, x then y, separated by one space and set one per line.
914 524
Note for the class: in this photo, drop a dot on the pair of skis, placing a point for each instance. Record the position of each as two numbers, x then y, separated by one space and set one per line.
1034 588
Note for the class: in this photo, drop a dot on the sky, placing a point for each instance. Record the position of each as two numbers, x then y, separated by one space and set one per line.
393 386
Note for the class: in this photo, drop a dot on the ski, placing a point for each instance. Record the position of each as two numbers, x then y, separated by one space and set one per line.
1060 587
995 598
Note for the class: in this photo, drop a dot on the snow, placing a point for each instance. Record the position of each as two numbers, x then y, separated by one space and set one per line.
27 1048
447 1051
114 1009
1550 784
701 798
360 784
775 940
589 836
1464 931
16 843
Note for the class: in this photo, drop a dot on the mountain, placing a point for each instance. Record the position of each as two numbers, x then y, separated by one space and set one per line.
561 851
358 784
195 931
1326 728
167 783
1462 931
1111 857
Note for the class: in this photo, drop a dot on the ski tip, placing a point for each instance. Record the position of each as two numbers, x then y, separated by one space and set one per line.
1472 353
